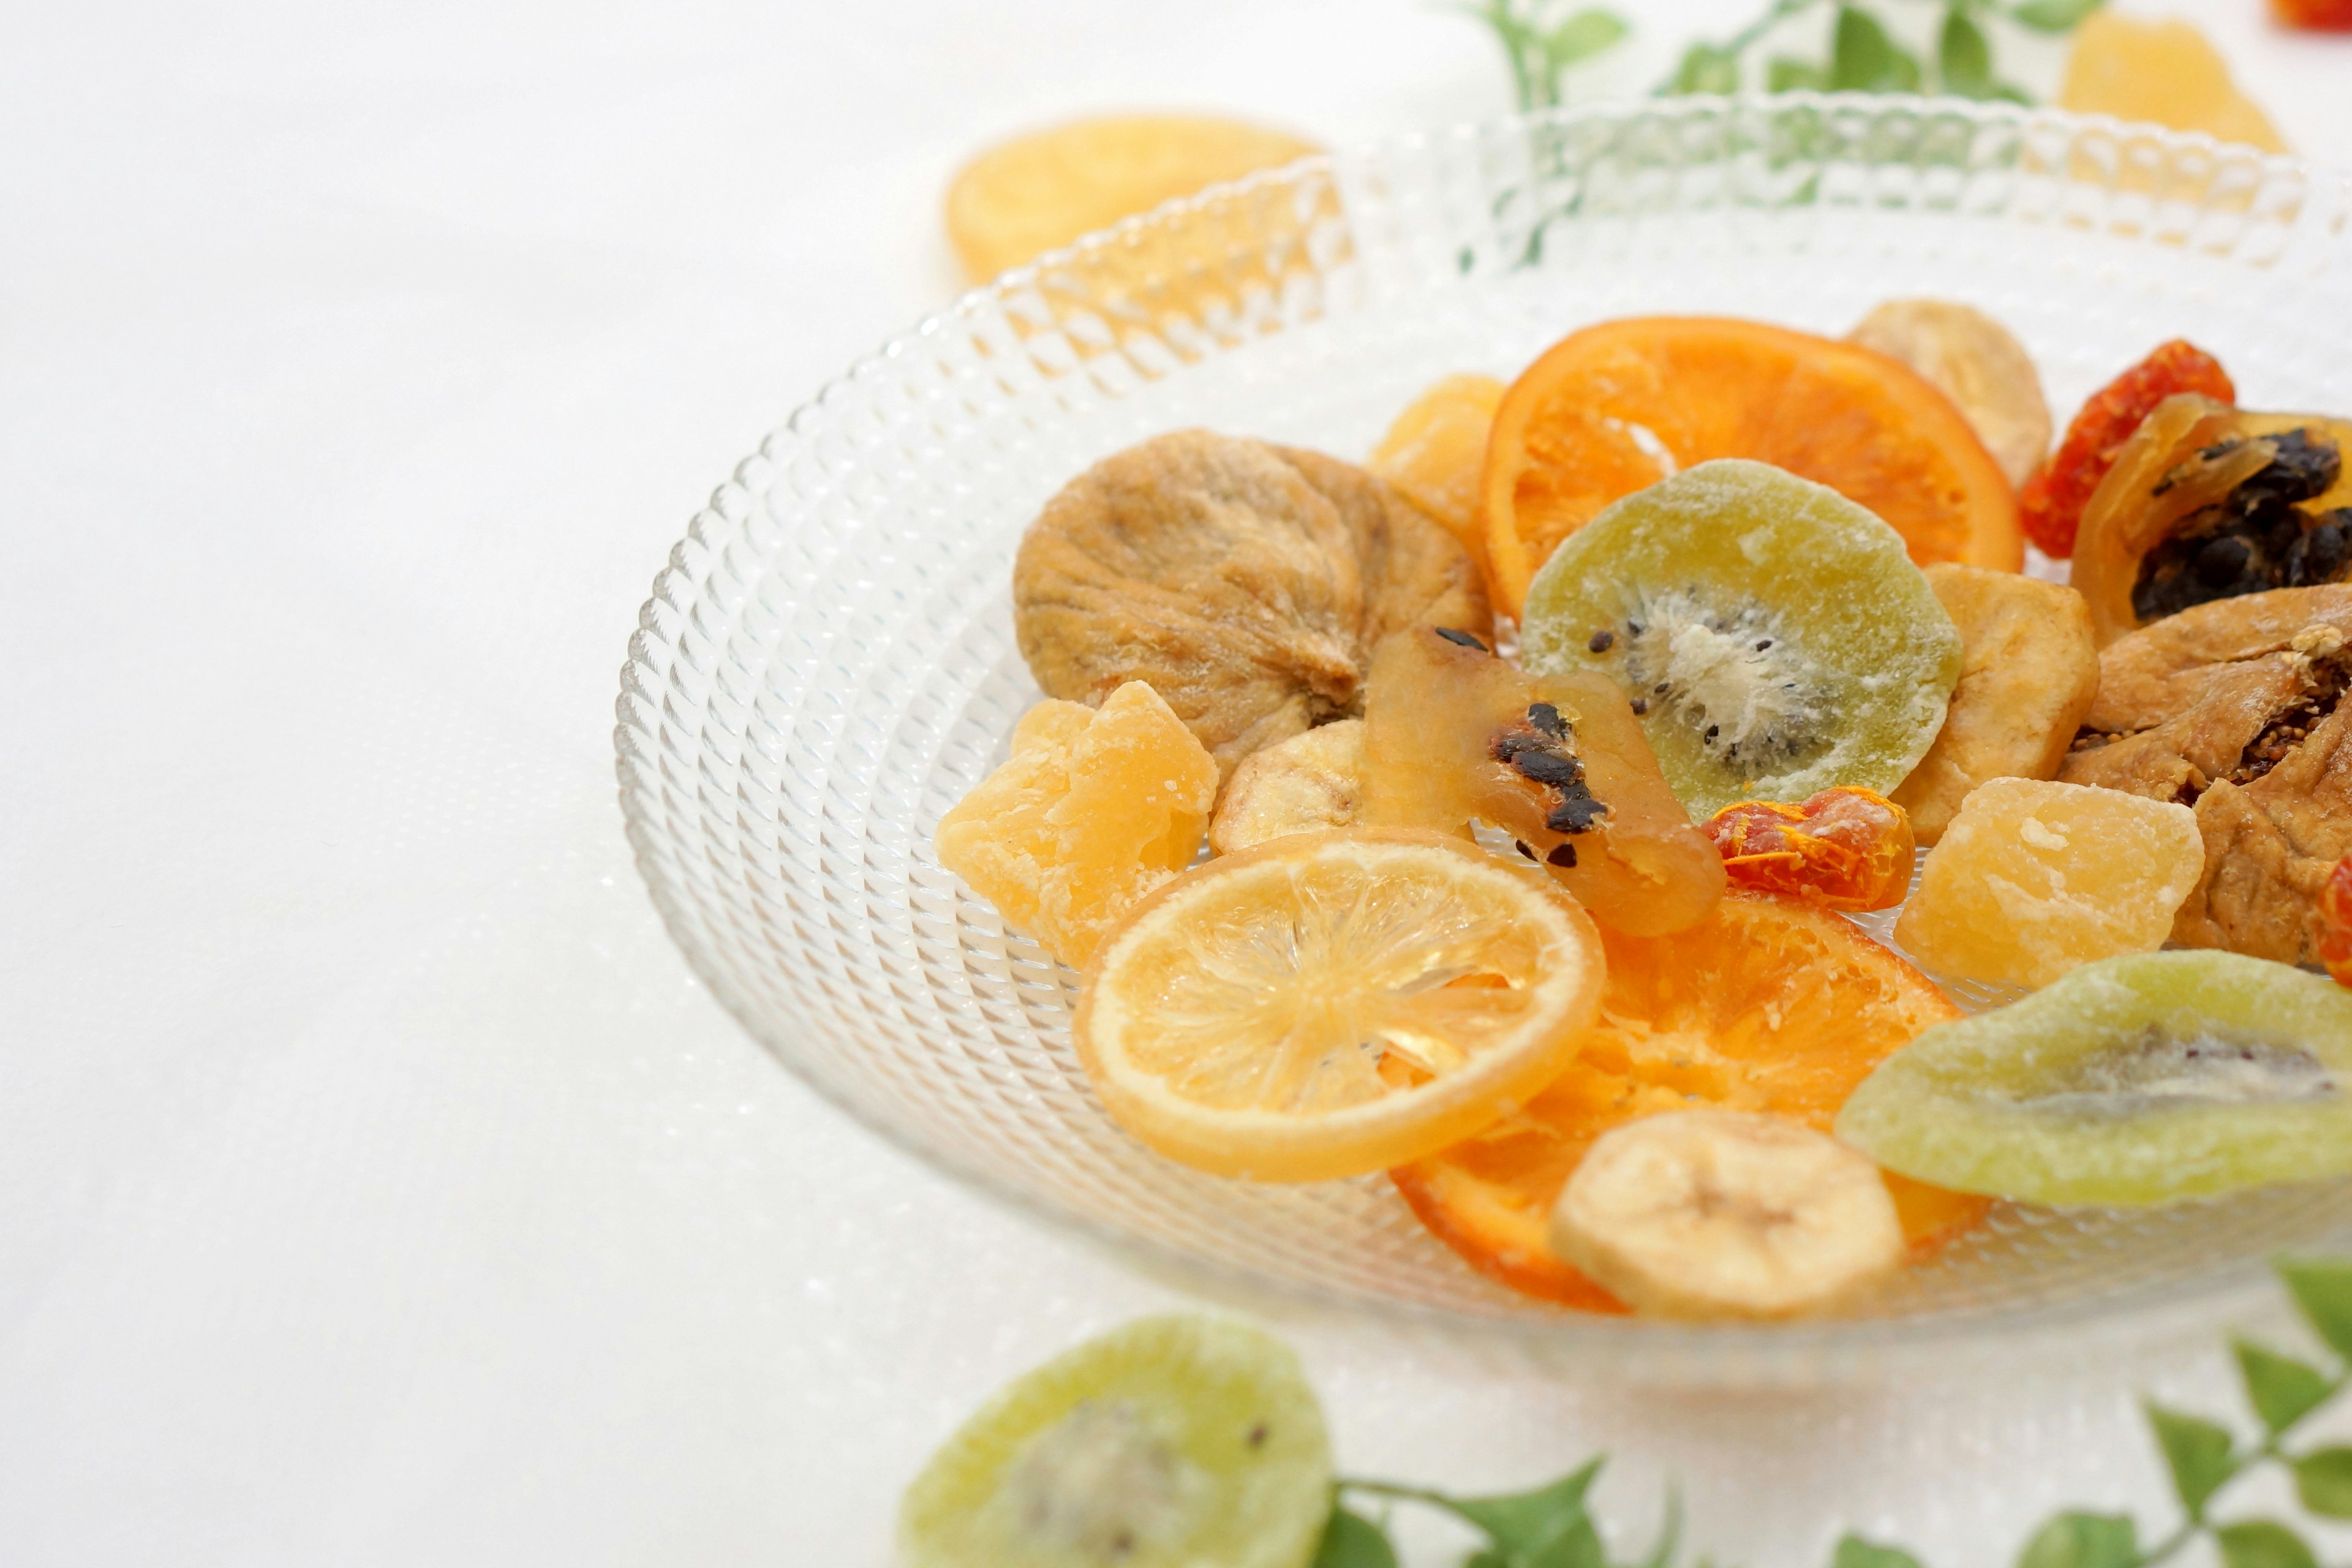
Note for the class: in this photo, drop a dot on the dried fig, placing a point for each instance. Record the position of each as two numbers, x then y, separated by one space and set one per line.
2028 674
2234 708
1310 781
1971 358
1249 584
2207 502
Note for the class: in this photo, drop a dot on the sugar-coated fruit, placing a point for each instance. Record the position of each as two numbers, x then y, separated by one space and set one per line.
2135 1080
1774 635
2033 879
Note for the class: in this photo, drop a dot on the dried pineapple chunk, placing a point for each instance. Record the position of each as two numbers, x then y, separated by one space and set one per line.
2032 879
1095 808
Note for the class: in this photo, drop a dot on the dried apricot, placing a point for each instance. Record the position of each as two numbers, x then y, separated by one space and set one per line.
1451 733
1844 848
1094 809
1250 585
2051 505
1036 192
2334 935
1768 1005
2034 879
1617 407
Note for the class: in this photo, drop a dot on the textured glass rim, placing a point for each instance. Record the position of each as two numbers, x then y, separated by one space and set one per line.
1622 1347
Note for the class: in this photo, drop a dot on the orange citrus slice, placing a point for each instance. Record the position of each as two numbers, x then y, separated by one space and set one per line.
1768 1007
1025 197
1328 1004
1617 407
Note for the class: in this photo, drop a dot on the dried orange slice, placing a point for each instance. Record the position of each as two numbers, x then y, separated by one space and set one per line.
1025 197
1769 1006
1328 1004
1617 407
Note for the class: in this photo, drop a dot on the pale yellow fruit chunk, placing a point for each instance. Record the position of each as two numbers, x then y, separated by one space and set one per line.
1028 195
1333 1003
1437 454
1974 361
1094 809
2162 72
1310 781
2033 879
2029 673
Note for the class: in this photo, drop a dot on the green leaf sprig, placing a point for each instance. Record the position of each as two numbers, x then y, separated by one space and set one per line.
1541 43
1550 1527
1864 58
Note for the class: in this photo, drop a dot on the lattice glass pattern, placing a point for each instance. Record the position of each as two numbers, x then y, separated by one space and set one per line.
827 662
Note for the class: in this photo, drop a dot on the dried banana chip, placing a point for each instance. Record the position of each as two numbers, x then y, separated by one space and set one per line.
1971 358
1308 782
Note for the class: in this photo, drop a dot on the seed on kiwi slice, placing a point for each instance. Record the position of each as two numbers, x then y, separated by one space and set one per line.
1170 1441
1774 636
2136 1080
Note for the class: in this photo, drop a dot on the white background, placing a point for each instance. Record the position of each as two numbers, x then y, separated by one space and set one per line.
376 1187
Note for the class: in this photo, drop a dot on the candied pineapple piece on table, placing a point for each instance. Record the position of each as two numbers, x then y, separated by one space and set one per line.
2029 673
1843 849
1095 808
2164 71
2033 879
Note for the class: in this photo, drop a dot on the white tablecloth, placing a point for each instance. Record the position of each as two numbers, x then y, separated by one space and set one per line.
375 1186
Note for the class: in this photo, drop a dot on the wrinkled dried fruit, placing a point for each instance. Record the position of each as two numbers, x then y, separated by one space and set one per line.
1777 633
2210 502
1249 586
2235 708
1046 189
1974 361
1451 733
1843 848
2028 672
2034 879
2333 946
1308 782
1437 454
2051 504
1095 808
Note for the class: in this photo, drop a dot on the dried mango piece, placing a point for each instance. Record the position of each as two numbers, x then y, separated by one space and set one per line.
2164 72
1034 193
1095 808
2051 505
1843 849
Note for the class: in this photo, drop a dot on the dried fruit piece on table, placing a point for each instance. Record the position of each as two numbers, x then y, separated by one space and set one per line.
1308 782
1617 407
1169 1441
1435 453
2142 1079
2333 942
1028 195
1768 1005
1775 634
2163 72
2029 673
1328 1004
2320 15
1250 587
1722 1213
2052 502
1844 848
1094 809
2034 879
1976 362
2210 502
2235 706
1453 734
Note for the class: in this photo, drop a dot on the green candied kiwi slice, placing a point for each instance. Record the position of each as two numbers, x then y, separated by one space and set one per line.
2133 1081
1169 1441
1774 636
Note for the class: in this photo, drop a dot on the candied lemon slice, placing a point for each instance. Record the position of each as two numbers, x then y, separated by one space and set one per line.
1329 1004
1025 197
1167 1443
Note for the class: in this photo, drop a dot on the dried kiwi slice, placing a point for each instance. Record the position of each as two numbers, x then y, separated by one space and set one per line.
1773 635
2136 1080
1171 1441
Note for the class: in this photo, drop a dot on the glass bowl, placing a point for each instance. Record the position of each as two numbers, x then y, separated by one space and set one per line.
827 664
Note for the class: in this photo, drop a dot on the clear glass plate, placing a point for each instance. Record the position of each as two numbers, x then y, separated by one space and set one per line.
828 663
